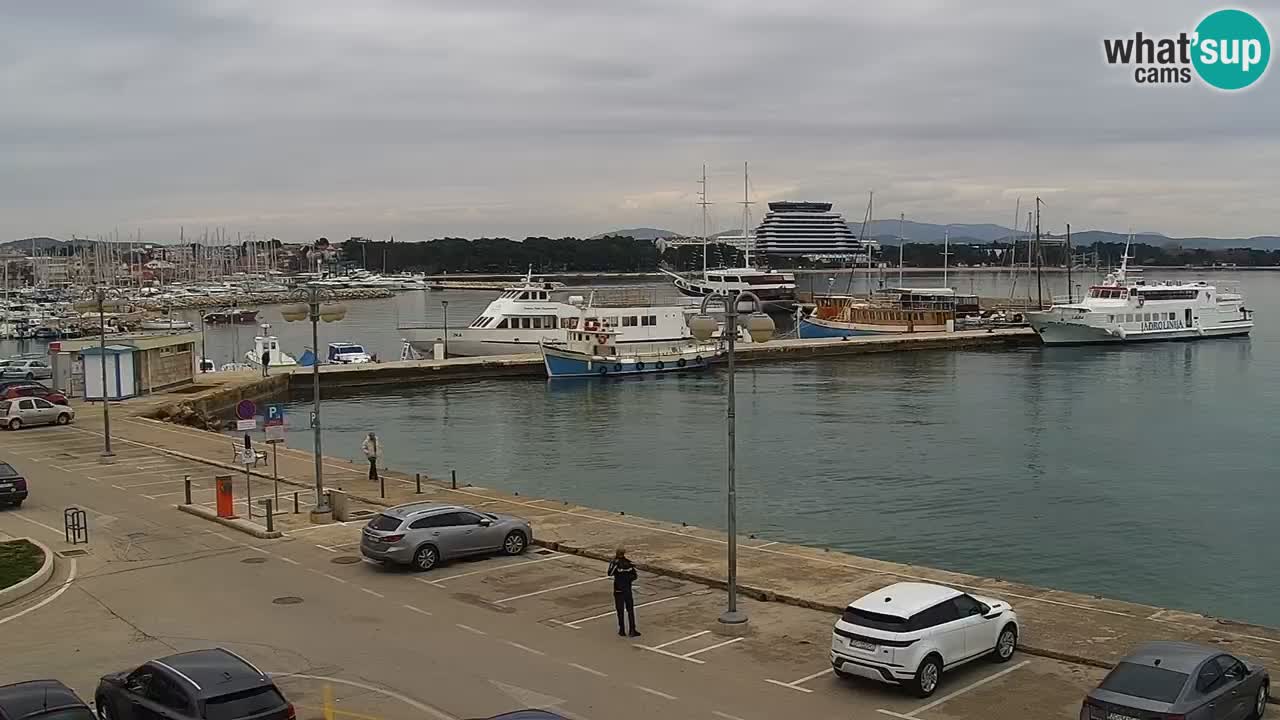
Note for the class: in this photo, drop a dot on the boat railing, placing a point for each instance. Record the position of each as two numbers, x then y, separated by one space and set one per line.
629 296
669 347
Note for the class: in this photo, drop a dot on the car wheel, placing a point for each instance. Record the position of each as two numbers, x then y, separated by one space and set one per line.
1260 702
15 424
426 557
63 418
1006 643
103 713
515 543
928 676
31 376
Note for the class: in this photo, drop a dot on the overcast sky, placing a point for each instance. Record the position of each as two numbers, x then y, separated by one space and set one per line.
426 118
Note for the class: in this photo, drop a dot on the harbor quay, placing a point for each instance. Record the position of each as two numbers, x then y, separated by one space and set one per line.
791 592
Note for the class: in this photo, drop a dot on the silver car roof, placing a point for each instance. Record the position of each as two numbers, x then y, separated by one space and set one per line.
419 508
1180 657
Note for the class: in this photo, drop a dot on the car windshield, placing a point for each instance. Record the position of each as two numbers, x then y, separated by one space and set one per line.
384 522
242 704
864 618
1144 681
7 469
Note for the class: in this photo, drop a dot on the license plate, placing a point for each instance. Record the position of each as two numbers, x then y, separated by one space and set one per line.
863 645
1120 716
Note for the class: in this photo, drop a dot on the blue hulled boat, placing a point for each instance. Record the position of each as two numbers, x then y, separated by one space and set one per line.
593 352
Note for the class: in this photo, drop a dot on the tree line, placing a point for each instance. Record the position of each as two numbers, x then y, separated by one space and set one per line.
626 254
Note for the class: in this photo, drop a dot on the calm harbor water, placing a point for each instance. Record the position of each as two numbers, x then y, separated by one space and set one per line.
1143 473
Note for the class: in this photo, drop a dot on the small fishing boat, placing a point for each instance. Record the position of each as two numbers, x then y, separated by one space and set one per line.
165 323
269 344
592 351
231 316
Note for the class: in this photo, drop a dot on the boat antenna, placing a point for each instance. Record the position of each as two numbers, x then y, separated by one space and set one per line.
702 200
862 234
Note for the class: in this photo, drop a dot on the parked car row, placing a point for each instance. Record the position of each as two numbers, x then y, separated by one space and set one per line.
213 684
25 368
21 412
10 389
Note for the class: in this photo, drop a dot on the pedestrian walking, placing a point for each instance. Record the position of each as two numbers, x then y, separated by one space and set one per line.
372 449
266 362
623 574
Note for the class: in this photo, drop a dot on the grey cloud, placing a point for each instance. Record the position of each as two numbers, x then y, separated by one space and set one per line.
301 117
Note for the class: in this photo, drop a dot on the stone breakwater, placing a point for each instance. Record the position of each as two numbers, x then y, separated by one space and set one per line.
250 299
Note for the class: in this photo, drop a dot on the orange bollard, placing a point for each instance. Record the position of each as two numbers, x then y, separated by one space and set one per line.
226 503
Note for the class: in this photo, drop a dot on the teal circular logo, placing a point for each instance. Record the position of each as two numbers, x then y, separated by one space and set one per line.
1231 49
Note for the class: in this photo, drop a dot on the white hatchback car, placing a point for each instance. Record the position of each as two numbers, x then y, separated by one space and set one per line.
909 633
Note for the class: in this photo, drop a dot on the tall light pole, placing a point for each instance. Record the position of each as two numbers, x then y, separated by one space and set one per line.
313 309
761 328
445 305
100 301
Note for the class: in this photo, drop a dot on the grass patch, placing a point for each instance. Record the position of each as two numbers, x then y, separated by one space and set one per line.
19 560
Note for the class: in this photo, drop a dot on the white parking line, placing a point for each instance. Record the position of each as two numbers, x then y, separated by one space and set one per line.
670 654
59 533
415 609
525 648
680 640
468 628
334 577
726 716
135 473
291 561
967 688
491 569
574 623
659 693
371 592
183 491
775 542
551 589
326 548
891 713
146 484
713 647
586 669
795 684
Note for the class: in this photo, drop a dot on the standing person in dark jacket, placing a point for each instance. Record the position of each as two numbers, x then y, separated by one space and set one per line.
623 574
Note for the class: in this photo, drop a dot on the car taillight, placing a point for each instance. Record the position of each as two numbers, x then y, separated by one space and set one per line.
290 713
391 538
20 484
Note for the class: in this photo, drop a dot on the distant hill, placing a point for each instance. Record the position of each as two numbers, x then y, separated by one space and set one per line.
643 233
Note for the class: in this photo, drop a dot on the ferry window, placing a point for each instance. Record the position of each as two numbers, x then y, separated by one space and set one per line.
1111 318
537 323
1173 316
549 321
503 324
611 321
629 321
571 323
651 320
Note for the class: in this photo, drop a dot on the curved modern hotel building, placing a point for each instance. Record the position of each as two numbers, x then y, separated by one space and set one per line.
808 229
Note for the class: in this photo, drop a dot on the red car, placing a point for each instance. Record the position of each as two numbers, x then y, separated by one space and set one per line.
31 389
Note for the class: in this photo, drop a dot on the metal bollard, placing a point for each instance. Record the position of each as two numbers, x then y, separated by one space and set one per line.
295 503
382 485
417 483
186 482
271 515
453 478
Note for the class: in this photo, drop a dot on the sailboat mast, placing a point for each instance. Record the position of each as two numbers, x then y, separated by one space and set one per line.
746 218
870 216
902 241
1039 282
946 254
1070 262
703 202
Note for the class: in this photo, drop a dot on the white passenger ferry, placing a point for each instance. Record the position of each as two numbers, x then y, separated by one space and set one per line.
1125 310
526 316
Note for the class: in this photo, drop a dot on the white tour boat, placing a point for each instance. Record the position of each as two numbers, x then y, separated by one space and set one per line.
526 316
1122 309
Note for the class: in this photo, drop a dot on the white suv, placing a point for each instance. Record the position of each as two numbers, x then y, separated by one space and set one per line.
908 633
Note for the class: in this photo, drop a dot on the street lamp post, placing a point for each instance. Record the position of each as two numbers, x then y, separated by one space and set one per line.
761 328
313 309
100 301
445 305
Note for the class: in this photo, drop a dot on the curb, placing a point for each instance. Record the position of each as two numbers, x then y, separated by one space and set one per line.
13 593
243 526
765 595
